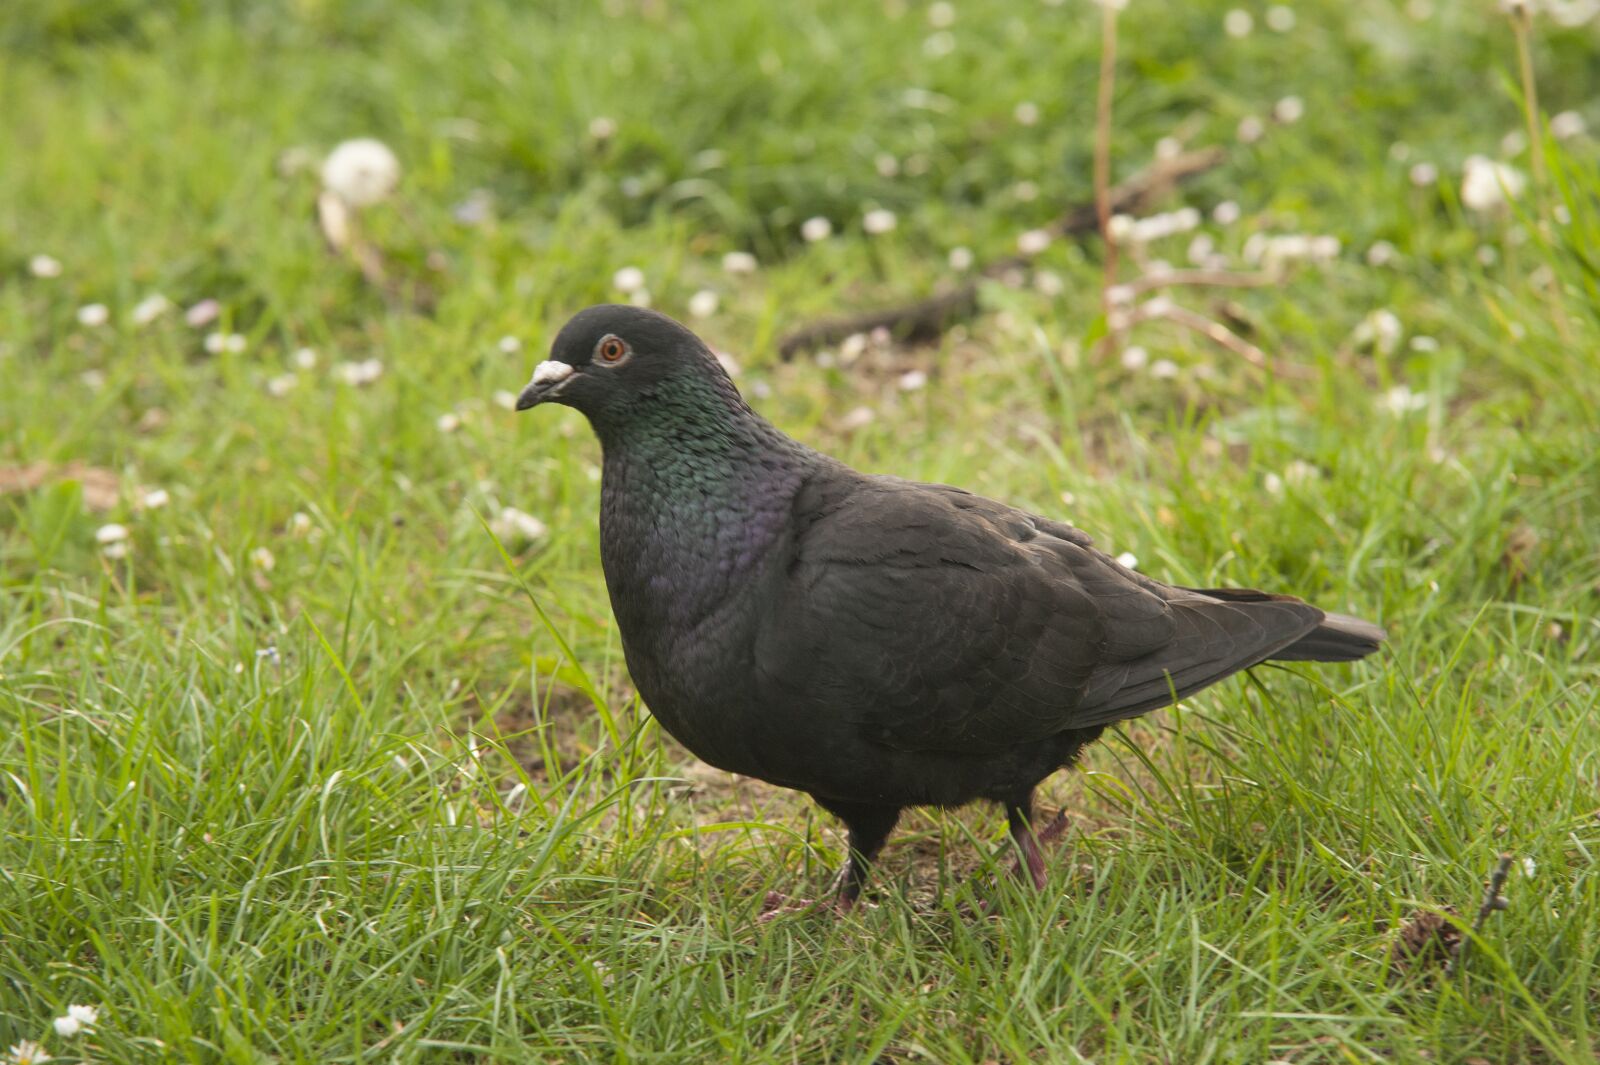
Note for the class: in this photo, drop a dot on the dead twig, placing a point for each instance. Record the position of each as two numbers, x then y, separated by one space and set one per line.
928 318
1492 901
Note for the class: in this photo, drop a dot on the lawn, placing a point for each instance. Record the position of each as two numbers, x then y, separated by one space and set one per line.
316 742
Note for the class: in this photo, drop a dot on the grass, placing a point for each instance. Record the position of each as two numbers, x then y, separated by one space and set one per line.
391 798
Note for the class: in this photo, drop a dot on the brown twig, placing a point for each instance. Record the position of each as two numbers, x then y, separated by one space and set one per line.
1209 278
1492 900
1164 310
926 319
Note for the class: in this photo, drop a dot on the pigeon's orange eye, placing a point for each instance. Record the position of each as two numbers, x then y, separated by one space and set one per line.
611 349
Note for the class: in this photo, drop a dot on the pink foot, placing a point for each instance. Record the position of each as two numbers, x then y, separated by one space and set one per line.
776 904
1032 857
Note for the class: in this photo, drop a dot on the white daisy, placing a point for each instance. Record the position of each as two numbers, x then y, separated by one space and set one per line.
44 266
1487 185
703 304
628 279
878 222
1034 241
150 308
512 524
1566 125
815 229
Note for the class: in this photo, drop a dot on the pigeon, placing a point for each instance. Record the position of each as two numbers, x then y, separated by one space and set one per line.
874 642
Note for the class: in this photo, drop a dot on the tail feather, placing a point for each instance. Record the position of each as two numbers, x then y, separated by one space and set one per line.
1340 638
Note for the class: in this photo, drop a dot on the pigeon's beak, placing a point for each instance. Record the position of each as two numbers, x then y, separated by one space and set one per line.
548 377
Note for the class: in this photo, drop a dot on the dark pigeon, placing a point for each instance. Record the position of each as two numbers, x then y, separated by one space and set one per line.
877 643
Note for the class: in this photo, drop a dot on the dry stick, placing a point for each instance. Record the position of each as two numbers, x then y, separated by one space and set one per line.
1209 278
1166 311
1102 147
926 319
1492 900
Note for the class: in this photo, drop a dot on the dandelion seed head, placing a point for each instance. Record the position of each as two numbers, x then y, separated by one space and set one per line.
1251 129
282 384
1280 19
448 422
739 262
1026 113
1238 23
1128 560
304 358
1423 174
361 172
602 128
628 279
1135 358
509 345
94 315
44 266
960 258
1289 110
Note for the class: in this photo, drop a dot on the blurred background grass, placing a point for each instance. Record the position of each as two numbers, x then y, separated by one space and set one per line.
301 775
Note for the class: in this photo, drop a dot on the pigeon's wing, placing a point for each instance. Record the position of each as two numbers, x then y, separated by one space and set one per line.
934 619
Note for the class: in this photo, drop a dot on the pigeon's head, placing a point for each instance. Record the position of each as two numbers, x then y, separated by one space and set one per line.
611 359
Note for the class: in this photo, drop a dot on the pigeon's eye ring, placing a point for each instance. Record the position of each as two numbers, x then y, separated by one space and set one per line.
612 349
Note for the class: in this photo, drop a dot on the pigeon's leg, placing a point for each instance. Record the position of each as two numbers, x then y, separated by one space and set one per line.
1020 817
869 827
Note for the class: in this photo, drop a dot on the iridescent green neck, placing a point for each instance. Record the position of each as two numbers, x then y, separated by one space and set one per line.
697 488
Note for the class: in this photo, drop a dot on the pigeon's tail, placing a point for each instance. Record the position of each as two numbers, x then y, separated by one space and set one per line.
1337 638
1340 638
